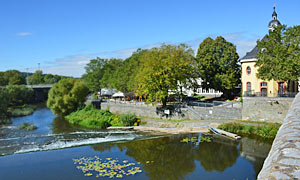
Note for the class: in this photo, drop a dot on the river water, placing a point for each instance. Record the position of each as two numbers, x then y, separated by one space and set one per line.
57 150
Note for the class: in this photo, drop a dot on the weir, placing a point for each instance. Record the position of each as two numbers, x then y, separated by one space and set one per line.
283 161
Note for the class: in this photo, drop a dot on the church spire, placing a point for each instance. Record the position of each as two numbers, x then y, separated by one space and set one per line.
274 15
274 23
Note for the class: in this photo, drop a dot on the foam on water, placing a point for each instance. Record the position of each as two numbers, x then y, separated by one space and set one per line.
61 144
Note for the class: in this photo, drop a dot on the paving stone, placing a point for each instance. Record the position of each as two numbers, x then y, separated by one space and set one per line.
291 152
296 174
280 175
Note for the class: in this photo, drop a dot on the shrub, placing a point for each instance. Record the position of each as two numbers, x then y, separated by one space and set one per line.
19 95
28 127
66 96
4 101
268 130
91 117
128 119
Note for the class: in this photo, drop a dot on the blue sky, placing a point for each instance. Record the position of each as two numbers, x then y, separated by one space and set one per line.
62 35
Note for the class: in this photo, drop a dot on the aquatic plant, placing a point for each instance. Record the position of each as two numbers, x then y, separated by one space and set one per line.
195 139
27 127
107 167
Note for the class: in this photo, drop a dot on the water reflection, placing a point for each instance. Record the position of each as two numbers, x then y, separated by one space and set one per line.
61 125
216 156
255 150
168 158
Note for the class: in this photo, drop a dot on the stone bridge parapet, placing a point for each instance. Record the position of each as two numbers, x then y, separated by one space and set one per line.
283 161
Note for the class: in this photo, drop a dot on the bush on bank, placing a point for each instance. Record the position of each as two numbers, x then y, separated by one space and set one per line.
268 130
93 118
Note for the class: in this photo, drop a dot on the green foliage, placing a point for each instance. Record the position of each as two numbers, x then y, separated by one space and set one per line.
162 70
278 54
91 117
128 119
218 65
109 79
266 131
4 96
66 96
23 110
123 77
36 78
11 77
94 73
28 127
19 95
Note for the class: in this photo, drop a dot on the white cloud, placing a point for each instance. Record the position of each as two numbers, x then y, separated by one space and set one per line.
73 65
24 34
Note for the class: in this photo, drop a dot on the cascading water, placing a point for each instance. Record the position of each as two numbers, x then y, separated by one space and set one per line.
53 133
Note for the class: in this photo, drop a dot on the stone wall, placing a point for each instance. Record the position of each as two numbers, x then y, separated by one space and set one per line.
203 112
283 161
265 108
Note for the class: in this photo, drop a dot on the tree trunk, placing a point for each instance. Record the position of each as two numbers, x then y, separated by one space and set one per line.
164 101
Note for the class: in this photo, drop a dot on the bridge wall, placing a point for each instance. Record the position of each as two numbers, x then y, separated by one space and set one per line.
283 161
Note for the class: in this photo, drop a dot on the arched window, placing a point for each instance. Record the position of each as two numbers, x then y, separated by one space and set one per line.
248 70
248 86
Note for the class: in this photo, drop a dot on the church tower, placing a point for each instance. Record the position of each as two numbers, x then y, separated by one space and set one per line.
274 23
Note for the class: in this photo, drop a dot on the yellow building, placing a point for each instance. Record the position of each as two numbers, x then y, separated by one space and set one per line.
251 85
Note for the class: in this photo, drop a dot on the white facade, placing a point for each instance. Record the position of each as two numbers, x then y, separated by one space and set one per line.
201 91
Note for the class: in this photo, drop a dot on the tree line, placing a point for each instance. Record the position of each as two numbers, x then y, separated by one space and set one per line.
156 72
15 77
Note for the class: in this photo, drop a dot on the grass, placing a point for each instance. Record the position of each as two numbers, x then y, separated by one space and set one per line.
23 110
267 130
4 120
28 127
91 117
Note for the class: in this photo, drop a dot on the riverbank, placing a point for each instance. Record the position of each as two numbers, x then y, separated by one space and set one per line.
243 128
24 110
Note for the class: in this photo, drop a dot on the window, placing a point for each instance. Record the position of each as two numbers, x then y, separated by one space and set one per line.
248 86
248 70
281 88
263 84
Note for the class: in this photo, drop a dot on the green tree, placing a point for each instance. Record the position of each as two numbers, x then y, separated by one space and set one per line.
108 79
67 96
36 78
13 77
162 70
4 96
49 79
19 95
94 73
124 76
3 81
218 65
278 54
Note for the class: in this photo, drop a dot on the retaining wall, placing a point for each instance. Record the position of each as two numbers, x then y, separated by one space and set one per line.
150 111
283 161
265 108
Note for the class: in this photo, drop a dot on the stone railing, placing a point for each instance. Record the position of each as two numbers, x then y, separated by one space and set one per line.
283 161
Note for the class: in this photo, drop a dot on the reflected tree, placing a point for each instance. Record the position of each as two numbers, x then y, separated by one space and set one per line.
163 158
216 156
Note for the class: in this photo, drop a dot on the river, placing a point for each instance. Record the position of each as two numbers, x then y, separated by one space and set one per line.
57 150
